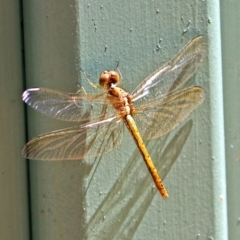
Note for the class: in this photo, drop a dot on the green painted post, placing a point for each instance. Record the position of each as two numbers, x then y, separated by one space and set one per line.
113 197
14 222
231 79
50 36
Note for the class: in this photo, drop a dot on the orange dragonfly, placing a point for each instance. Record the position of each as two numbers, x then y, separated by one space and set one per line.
159 103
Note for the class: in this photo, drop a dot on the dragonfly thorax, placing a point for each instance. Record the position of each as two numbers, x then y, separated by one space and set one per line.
121 100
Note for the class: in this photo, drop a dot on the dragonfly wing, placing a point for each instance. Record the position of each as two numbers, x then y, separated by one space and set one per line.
174 74
67 106
84 141
162 115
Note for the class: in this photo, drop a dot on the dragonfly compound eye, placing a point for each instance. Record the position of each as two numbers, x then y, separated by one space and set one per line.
114 77
107 78
104 79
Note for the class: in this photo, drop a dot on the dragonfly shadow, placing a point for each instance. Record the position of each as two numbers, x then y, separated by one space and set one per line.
127 202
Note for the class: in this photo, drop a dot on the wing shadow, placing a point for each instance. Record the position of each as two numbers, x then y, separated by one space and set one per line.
125 206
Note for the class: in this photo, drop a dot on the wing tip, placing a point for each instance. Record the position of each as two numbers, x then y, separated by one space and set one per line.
27 93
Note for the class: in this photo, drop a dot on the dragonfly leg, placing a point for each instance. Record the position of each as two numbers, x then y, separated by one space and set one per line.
89 81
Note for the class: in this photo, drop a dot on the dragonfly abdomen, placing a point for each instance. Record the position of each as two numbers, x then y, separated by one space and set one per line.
130 123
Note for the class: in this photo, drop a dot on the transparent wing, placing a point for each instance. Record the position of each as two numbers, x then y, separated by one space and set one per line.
174 74
68 106
85 141
161 115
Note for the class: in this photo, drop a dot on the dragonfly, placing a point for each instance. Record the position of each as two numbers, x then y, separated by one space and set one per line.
156 106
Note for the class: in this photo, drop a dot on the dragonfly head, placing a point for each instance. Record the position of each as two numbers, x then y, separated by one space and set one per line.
108 78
